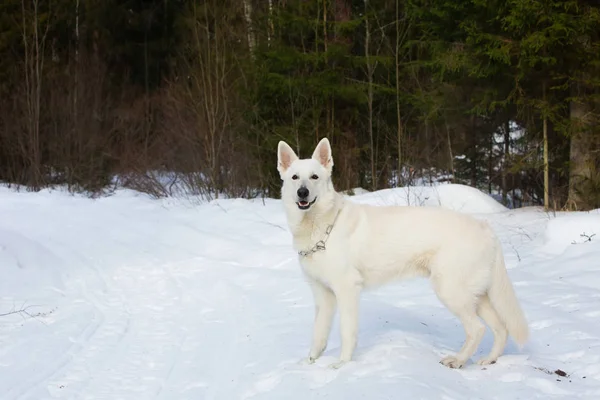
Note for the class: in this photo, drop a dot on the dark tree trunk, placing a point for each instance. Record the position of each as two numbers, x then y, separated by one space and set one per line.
583 153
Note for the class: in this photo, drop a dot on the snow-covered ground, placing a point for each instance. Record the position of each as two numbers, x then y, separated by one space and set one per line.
131 298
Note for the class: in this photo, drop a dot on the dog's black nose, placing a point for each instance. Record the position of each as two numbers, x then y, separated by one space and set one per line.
302 192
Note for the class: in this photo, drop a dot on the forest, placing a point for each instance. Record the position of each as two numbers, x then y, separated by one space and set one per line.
156 94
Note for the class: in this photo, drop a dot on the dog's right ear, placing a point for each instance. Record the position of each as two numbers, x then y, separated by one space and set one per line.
285 157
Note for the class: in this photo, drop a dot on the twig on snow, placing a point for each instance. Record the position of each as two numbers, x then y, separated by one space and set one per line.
24 312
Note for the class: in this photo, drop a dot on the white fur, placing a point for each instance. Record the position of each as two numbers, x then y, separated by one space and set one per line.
370 246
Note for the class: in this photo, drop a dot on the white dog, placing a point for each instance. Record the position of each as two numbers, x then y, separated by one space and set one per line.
345 247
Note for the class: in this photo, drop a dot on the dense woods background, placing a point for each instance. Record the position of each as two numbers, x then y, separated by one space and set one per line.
501 95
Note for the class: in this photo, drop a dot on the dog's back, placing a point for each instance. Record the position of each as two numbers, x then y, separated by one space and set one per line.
394 242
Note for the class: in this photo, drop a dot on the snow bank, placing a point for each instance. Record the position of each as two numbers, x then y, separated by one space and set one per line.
453 196
569 229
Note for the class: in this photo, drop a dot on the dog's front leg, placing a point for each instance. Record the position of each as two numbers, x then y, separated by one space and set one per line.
347 297
324 310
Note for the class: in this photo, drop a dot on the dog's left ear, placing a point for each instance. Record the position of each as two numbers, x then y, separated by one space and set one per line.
323 155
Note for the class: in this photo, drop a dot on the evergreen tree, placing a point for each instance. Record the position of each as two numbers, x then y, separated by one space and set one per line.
500 95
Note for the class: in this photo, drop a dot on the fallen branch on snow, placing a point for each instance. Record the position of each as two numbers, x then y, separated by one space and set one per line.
24 312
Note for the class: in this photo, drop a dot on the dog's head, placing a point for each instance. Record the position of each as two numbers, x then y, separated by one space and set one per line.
305 181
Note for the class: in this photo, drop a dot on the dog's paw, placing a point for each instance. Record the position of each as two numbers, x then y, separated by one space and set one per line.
337 364
452 362
307 361
486 361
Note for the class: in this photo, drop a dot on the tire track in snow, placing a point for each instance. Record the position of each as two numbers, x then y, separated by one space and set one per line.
30 386
182 340
33 385
75 377
145 355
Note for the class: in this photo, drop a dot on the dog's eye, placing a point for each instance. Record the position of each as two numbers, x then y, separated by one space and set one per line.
295 177
314 176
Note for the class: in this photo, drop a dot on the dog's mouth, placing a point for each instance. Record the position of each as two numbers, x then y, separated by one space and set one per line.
305 205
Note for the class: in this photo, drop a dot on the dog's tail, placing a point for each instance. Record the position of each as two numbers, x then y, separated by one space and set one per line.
503 298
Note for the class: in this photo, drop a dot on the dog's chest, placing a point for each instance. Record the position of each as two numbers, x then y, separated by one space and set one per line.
323 263
319 252
317 267
309 237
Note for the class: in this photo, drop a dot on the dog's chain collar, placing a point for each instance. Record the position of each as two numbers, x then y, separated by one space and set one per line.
320 245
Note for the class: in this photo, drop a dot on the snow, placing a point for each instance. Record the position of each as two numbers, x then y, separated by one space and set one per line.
454 196
138 298
565 230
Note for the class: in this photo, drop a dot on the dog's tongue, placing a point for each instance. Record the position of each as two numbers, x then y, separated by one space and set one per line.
303 203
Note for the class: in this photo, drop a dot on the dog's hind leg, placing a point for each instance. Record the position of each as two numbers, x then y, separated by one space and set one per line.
474 331
487 312
463 305
324 311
